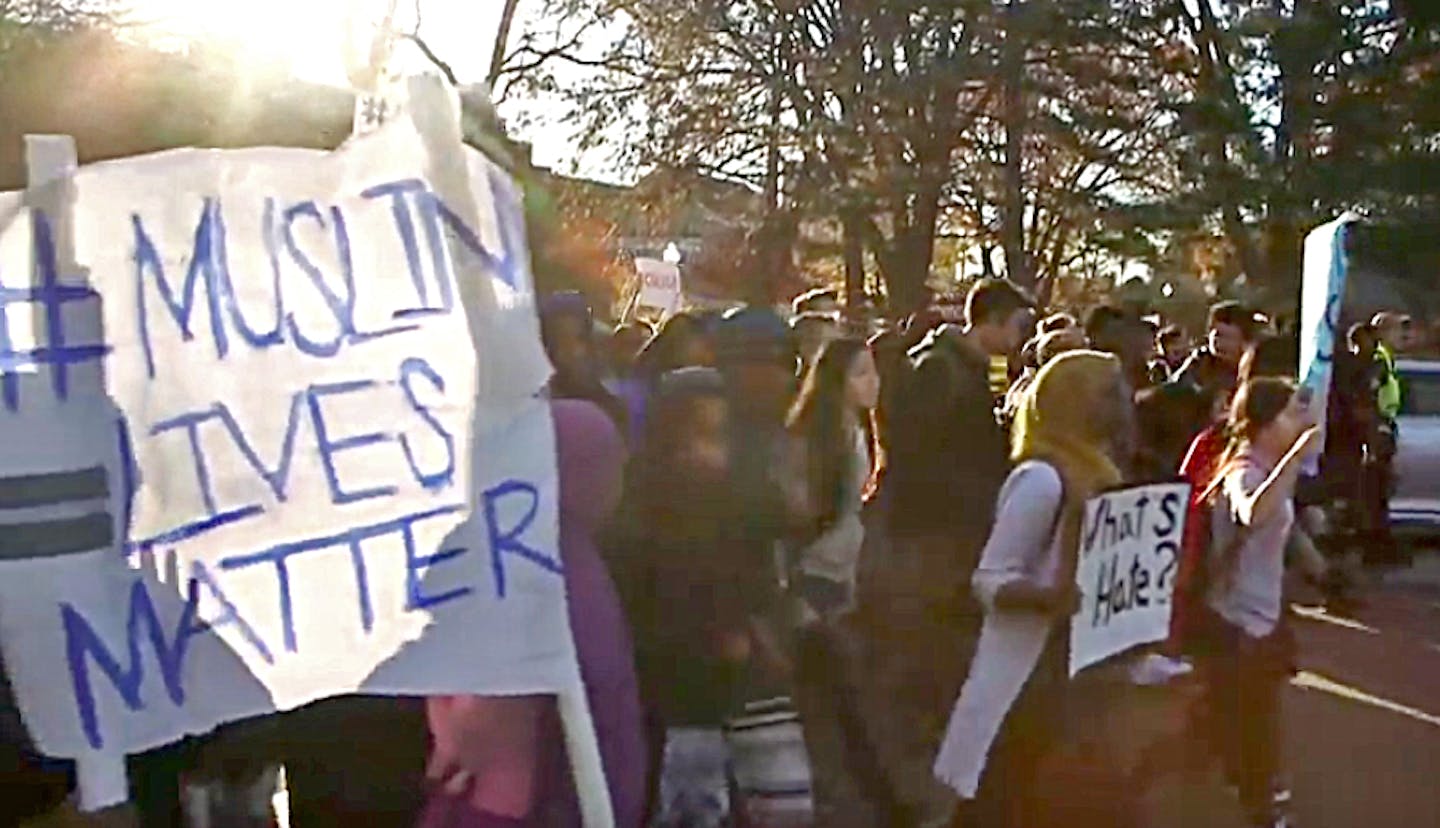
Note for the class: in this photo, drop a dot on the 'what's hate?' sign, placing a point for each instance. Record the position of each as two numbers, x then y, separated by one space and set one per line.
1129 553
272 434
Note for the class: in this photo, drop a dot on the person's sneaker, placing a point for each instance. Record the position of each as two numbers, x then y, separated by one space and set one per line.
1279 816
1157 669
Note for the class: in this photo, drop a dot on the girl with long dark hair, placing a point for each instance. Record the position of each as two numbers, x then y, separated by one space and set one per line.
831 464
1249 650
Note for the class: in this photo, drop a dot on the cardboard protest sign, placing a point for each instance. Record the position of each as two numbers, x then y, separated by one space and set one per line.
1129 552
1322 295
273 434
660 285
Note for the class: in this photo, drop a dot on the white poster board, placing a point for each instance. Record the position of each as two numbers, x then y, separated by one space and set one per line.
272 435
1129 552
660 285
1322 295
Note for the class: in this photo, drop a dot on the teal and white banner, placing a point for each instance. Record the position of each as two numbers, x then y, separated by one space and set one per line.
1322 293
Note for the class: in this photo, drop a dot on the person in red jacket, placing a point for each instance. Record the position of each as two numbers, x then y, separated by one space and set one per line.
1198 469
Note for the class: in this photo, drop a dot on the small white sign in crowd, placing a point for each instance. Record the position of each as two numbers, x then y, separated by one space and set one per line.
660 286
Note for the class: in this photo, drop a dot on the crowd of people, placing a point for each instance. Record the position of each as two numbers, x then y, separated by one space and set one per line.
801 492
754 507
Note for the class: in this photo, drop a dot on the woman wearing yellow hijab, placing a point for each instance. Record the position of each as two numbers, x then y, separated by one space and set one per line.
1070 423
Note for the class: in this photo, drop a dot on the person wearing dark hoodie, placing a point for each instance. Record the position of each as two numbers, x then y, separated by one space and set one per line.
497 762
694 597
948 458
1215 366
682 342
757 357
567 327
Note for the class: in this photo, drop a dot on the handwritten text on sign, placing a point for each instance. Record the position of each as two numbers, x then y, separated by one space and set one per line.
1129 551
251 458
660 285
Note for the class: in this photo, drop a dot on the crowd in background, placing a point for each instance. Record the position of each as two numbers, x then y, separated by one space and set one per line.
755 510
770 454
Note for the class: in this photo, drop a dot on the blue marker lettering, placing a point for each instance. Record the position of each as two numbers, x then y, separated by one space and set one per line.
203 264
435 237
194 529
199 575
507 267
329 448
409 369
508 540
347 274
362 585
191 423
397 191
129 476
342 309
280 555
415 567
276 334
53 296
82 643
278 478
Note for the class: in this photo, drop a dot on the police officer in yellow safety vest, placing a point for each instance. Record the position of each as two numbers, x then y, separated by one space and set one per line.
1391 331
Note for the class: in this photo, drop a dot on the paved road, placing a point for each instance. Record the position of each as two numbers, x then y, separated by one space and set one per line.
1362 723
1363 719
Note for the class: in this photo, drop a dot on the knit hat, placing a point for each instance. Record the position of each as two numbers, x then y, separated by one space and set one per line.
749 335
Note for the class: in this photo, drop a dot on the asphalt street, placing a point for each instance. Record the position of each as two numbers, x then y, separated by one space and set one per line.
1362 718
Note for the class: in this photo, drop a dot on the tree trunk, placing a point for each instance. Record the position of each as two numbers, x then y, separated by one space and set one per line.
987 262
904 277
854 252
772 150
1283 258
502 41
772 156
1217 84
1017 264
904 280
1244 244
772 249
1294 153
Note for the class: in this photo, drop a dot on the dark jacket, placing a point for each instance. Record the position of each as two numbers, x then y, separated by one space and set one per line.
1204 371
29 784
948 454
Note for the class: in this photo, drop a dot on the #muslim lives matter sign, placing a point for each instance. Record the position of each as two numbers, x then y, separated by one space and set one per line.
1129 552
273 434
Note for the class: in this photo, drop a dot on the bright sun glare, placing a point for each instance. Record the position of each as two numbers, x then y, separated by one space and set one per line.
308 38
